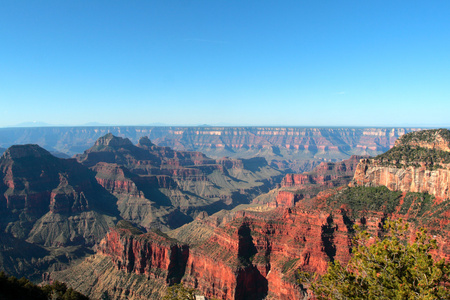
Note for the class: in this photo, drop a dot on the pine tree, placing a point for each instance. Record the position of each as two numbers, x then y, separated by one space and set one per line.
388 268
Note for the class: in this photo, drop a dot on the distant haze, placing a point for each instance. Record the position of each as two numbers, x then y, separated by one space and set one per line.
298 142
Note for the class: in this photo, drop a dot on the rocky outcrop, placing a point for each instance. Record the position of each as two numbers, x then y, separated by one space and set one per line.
325 174
435 139
52 211
158 257
112 141
114 179
110 282
411 179
149 254
295 187
159 187
285 199
419 162
35 182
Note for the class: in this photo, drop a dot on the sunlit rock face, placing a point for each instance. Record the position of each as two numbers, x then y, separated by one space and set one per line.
46 201
295 187
255 254
419 162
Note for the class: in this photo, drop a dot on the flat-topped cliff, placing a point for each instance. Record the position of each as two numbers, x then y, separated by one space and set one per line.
419 162
295 149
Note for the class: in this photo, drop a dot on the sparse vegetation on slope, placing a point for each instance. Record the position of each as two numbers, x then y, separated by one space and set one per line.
408 156
360 199
390 268
427 147
427 136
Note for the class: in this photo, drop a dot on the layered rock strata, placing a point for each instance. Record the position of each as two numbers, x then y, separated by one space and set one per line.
63 207
52 211
325 174
295 187
159 187
37 188
419 162
297 149
256 255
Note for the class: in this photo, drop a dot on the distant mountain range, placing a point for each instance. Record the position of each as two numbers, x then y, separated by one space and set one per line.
43 124
33 124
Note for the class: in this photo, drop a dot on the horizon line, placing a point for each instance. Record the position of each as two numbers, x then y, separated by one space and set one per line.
231 126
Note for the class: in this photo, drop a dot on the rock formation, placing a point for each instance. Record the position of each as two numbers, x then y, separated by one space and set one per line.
37 184
251 252
325 174
292 149
48 202
58 209
419 162
158 187
295 187
255 255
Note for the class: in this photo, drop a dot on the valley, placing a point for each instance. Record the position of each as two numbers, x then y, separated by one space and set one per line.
126 220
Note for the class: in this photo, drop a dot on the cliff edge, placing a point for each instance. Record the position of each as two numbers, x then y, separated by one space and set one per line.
418 162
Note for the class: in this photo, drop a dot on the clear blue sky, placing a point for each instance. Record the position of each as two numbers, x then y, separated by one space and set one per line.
293 63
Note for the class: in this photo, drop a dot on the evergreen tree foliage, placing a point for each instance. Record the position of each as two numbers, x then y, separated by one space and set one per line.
179 292
12 288
386 268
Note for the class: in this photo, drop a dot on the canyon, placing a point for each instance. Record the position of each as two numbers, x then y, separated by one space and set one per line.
255 253
125 220
290 149
157 187
59 209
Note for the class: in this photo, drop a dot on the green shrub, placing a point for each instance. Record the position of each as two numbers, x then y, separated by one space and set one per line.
390 268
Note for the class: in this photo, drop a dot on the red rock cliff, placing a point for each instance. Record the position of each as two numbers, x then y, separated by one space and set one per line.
324 174
147 254
295 187
257 254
